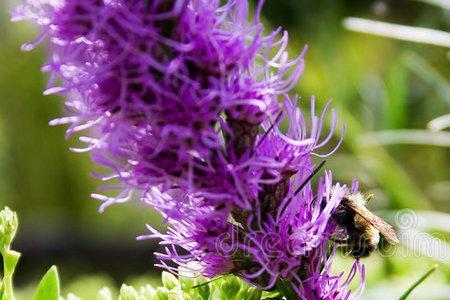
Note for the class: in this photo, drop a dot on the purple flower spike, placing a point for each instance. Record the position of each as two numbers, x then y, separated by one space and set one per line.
321 284
183 101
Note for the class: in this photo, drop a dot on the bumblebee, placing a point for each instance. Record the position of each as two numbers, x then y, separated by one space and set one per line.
362 226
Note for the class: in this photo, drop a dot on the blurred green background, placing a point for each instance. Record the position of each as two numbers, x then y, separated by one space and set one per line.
377 85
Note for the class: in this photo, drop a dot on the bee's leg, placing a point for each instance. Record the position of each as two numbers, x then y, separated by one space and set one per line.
340 241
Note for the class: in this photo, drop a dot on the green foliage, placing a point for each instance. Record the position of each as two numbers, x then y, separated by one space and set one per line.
185 288
48 288
223 288
286 290
395 104
88 286
437 83
417 283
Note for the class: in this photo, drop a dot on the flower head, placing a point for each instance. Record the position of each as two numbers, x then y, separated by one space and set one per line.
182 100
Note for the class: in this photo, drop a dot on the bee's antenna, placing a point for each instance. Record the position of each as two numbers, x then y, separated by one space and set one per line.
299 189
272 125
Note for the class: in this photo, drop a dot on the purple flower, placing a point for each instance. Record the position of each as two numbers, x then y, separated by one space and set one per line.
154 80
277 244
322 284
183 100
195 227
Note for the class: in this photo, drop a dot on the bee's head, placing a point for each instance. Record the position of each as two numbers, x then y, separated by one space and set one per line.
357 197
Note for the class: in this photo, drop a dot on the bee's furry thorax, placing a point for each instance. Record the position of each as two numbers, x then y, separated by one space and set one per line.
363 238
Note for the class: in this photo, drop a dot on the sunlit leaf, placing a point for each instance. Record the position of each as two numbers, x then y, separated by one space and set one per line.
406 136
439 123
48 288
400 32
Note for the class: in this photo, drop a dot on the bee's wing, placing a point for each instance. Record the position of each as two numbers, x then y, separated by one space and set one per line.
375 221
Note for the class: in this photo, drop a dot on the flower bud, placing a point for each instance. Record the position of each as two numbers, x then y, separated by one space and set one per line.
148 292
128 293
176 294
230 287
8 228
169 280
162 293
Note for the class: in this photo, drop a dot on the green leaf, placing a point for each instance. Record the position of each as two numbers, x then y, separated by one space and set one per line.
254 294
286 290
398 31
424 70
203 286
270 294
395 104
416 284
2 290
406 137
48 288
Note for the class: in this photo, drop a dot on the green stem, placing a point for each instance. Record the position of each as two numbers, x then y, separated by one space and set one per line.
419 281
10 260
